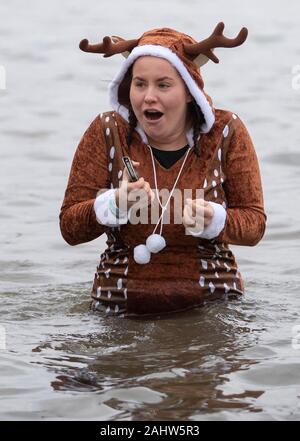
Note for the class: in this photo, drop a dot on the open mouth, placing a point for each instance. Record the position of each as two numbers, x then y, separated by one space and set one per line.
153 115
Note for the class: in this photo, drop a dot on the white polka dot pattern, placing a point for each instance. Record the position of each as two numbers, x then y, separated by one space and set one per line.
225 131
227 267
219 154
211 287
204 264
112 152
202 281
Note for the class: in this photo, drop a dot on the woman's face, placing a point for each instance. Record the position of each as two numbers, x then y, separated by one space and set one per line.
159 100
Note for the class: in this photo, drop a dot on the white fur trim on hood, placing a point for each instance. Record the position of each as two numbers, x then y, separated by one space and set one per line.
167 54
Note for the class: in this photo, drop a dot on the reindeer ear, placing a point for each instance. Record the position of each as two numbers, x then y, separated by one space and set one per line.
200 60
117 39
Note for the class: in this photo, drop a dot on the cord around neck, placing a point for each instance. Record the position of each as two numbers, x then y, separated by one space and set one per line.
164 207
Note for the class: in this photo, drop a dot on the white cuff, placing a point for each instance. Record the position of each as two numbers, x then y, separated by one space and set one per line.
216 226
107 212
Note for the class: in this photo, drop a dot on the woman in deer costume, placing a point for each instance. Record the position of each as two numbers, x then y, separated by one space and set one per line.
165 122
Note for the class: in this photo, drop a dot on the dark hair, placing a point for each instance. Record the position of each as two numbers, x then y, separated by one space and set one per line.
198 120
132 119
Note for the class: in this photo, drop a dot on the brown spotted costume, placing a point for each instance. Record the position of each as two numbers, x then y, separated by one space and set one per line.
192 269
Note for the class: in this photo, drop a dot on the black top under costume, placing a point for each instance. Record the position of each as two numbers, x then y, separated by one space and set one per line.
168 157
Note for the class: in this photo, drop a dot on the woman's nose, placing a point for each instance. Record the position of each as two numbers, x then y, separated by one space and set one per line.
150 96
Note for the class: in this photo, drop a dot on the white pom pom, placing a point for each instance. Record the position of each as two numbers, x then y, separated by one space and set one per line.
141 254
155 243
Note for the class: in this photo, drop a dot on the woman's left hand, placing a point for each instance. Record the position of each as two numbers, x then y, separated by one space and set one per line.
197 214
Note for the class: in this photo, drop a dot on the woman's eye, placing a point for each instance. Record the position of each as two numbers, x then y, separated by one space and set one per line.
139 84
164 86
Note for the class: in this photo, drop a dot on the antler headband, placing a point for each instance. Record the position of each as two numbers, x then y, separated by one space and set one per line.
116 45
109 46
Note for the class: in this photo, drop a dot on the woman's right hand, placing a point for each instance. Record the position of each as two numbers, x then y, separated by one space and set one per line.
131 192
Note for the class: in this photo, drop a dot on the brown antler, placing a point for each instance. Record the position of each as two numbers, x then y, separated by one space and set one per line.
107 47
217 39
